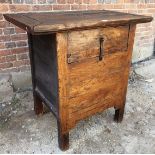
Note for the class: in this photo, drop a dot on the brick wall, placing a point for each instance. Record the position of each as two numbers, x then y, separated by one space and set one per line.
13 41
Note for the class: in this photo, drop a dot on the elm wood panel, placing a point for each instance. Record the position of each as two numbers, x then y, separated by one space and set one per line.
86 43
95 83
45 59
109 95
90 75
80 115
108 90
61 21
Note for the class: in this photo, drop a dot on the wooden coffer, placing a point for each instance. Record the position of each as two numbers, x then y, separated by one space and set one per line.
80 62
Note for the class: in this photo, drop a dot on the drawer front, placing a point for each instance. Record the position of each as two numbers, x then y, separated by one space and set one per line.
87 44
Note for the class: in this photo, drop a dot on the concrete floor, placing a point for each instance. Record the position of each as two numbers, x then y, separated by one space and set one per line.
23 132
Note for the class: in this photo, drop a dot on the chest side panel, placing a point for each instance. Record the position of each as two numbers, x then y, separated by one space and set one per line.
45 59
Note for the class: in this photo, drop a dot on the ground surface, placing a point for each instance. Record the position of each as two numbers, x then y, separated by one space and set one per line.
23 132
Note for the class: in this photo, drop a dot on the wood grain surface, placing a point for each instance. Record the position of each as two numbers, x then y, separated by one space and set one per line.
46 22
97 85
80 62
86 43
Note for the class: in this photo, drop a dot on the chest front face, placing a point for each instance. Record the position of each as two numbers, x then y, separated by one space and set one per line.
95 84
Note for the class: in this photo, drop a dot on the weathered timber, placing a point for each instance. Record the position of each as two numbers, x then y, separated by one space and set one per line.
88 46
60 21
80 62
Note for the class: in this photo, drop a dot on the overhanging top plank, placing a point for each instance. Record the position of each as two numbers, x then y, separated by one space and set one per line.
44 22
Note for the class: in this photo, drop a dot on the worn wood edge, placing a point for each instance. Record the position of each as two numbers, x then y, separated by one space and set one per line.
100 109
46 102
21 25
43 28
88 25
61 39
130 51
